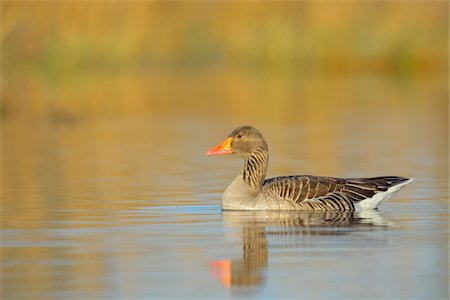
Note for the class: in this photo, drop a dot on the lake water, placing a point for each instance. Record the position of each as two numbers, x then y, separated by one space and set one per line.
131 209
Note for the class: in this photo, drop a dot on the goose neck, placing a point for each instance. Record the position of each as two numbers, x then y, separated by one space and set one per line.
255 167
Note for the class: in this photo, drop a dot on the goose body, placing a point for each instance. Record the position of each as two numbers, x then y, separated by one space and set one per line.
251 191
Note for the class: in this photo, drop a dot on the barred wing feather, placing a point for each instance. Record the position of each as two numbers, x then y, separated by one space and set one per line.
324 193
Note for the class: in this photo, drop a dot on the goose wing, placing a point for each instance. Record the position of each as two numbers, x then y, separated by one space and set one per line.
325 193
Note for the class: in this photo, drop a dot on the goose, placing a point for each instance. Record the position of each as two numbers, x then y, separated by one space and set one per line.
250 190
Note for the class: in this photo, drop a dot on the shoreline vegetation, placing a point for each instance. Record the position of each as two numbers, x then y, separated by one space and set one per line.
70 60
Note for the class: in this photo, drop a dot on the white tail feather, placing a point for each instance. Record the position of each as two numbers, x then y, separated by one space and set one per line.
378 198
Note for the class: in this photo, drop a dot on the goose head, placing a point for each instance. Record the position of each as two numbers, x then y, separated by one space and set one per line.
243 141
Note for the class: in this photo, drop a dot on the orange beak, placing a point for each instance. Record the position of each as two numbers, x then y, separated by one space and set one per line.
223 148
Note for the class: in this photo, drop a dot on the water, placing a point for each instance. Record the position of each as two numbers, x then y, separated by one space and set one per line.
131 209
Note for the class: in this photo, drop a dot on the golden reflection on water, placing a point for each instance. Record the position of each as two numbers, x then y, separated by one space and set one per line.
67 166
68 188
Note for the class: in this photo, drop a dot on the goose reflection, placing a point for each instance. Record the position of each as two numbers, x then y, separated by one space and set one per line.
285 230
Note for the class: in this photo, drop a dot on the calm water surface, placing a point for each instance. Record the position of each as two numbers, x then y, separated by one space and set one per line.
130 209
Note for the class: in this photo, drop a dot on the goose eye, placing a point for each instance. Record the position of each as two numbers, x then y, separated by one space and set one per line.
239 136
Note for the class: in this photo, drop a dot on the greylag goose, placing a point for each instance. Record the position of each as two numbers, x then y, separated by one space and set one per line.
251 191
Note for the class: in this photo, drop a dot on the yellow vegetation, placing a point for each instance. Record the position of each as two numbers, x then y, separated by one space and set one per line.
72 59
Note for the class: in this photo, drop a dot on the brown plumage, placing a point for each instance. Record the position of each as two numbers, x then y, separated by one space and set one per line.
251 191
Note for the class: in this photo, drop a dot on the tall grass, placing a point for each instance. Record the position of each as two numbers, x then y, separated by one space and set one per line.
76 59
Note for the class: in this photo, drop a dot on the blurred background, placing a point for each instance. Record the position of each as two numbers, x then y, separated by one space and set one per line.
107 109
73 60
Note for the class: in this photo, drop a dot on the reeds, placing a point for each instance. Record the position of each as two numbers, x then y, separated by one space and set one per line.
80 59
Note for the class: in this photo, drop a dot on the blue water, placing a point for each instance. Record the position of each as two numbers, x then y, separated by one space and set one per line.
137 216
